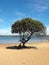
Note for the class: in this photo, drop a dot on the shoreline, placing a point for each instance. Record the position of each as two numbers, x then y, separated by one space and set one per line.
26 43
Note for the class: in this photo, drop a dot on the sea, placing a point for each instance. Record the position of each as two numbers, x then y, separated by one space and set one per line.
5 39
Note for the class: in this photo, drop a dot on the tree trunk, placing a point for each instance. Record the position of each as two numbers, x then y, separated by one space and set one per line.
23 44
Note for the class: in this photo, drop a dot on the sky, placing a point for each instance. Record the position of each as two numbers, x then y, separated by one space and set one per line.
13 10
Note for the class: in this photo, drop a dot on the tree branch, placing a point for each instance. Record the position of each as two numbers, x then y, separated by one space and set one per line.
28 38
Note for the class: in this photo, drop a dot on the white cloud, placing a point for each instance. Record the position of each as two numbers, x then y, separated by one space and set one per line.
47 31
5 32
41 8
20 13
39 5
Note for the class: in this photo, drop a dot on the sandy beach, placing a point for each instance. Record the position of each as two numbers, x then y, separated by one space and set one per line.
34 54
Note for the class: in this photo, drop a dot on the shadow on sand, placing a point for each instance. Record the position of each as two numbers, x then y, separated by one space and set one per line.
21 47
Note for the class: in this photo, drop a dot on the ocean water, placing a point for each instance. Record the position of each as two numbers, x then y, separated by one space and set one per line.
15 39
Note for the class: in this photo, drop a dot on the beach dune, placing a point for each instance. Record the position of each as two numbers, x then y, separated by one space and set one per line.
37 54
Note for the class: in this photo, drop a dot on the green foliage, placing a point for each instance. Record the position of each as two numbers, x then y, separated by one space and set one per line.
28 25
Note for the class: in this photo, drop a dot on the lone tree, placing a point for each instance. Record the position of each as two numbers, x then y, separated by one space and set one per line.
26 27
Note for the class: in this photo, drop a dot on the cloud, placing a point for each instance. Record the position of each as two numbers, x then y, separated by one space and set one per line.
1 20
47 31
5 32
41 8
39 5
20 13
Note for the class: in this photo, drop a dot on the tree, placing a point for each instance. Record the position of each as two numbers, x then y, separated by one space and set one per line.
26 27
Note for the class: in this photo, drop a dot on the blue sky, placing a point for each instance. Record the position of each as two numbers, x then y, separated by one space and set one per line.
12 10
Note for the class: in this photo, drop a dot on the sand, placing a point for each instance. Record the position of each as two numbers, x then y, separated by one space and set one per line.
35 54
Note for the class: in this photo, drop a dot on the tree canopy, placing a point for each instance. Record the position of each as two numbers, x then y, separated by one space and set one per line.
27 26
